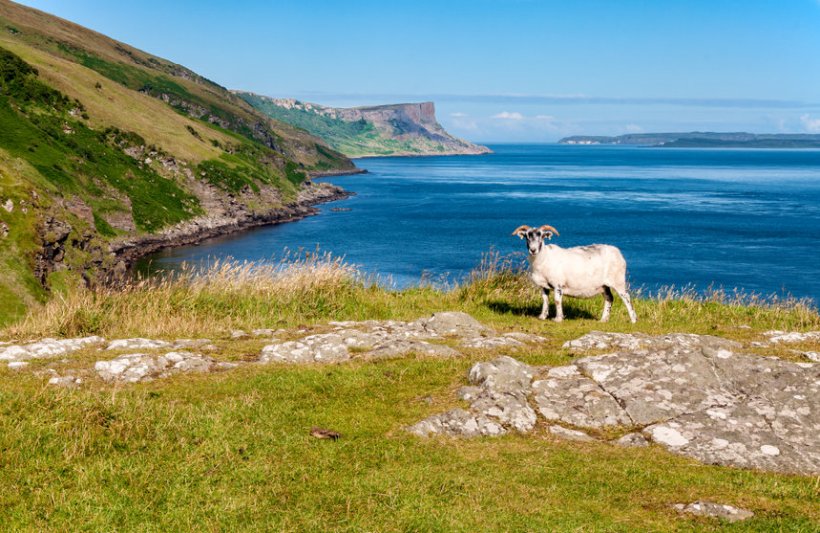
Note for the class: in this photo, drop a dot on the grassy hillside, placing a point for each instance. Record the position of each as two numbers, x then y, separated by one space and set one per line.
231 451
366 132
100 141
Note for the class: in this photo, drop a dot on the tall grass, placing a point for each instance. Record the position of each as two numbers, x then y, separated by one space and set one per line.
313 287
195 299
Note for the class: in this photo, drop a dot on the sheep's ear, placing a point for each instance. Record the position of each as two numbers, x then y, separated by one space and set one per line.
521 231
549 231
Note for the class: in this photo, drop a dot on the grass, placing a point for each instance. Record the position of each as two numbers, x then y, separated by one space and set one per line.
231 451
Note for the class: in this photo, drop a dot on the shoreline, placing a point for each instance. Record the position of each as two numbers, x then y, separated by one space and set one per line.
192 232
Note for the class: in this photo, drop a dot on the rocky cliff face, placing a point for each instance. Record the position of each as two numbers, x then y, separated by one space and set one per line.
387 130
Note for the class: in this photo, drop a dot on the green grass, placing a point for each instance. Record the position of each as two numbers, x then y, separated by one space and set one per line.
231 451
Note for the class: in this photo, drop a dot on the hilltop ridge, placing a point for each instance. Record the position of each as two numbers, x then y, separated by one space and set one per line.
407 129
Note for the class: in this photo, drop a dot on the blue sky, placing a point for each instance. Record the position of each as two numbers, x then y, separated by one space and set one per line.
501 70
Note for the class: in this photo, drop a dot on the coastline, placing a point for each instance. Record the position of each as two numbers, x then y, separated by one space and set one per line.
129 251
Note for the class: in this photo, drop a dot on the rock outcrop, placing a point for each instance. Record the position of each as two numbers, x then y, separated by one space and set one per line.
136 367
695 395
389 338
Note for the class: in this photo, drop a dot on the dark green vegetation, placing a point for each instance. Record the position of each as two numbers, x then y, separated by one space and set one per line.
36 125
232 451
697 139
100 142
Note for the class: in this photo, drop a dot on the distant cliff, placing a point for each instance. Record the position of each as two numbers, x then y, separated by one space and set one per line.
704 139
387 130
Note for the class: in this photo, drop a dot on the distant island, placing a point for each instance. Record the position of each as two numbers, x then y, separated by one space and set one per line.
704 139
374 131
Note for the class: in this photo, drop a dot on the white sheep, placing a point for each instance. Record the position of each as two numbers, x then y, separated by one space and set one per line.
582 271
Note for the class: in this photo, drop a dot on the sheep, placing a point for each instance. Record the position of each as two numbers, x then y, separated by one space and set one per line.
582 271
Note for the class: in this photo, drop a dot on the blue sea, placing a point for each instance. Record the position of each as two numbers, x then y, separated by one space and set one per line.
745 219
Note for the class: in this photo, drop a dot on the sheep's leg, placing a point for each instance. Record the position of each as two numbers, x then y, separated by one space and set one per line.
624 294
545 307
559 310
608 298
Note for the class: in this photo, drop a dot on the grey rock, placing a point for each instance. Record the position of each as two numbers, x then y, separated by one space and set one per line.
577 400
239 334
403 347
185 344
453 324
632 440
65 381
457 422
597 340
777 336
323 348
136 367
659 384
138 344
570 434
527 338
715 510
46 348
812 356
17 365
491 343
374 339
498 397
694 395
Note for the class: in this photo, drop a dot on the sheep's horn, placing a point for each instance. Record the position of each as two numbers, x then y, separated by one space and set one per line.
519 229
545 227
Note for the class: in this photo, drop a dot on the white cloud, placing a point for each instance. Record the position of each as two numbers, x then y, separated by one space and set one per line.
458 114
507 115
546 118
633 128
811 125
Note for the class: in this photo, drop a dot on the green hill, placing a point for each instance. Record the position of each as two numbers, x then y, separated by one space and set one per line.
386 130
103 146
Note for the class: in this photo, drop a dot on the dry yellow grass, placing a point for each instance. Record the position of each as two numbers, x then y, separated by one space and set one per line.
116 105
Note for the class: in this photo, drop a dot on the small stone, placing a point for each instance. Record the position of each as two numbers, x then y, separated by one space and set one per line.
65 381
17 365
632 440
715 510
238 334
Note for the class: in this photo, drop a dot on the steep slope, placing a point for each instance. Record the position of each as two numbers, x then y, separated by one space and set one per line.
106 152
388 130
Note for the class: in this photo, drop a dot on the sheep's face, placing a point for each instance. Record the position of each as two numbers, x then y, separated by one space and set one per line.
534 237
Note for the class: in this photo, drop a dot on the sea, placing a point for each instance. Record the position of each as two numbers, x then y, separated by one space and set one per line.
699 219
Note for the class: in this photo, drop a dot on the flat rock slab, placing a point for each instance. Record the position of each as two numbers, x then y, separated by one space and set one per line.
136 367
374 339
777 336
692 394
714 510
46 348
